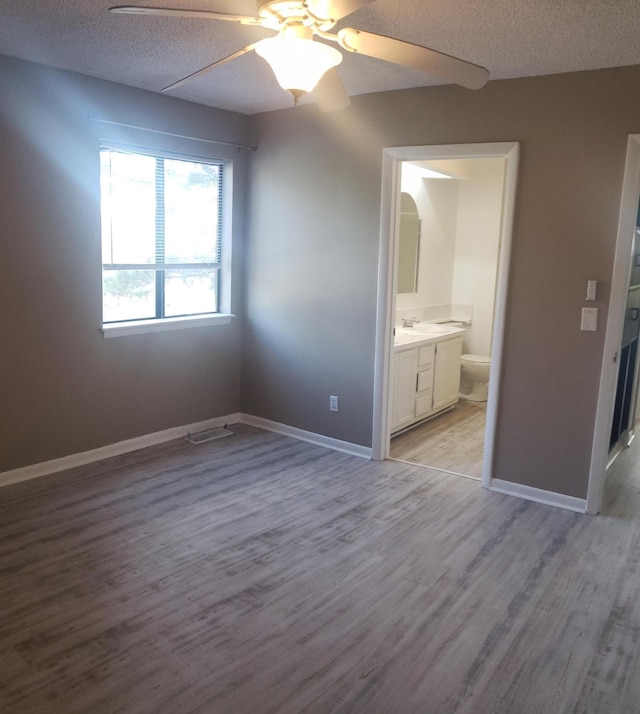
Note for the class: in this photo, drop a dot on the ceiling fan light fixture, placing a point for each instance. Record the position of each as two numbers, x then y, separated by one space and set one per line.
297 61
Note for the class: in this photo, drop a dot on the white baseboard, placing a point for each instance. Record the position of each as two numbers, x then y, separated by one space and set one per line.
160 437
123 447
549 498
104 452
364 452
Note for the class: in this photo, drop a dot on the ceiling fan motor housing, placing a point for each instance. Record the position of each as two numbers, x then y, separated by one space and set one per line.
279 13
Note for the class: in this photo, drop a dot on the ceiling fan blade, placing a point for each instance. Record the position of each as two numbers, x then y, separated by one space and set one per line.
335 9
330 93
169 11
417 57
209 67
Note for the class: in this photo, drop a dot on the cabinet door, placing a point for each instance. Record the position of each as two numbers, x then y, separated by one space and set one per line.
424 392
446 373
404 388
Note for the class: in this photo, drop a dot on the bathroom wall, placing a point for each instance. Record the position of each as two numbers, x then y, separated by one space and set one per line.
476 247
460 241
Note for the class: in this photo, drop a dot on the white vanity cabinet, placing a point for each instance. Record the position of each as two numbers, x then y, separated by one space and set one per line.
404 388
446 373
426 379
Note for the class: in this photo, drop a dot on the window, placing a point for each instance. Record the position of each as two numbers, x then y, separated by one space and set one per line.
161 236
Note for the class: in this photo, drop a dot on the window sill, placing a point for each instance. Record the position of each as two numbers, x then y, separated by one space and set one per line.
120 329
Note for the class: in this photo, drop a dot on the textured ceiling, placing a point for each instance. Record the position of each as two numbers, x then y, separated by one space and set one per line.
511 38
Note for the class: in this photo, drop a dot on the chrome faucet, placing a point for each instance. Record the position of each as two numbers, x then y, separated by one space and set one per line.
410 322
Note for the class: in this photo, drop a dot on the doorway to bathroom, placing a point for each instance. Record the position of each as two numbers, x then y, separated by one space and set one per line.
444 301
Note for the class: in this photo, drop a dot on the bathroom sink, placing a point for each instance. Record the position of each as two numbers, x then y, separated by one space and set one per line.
431 328
423 332
406 337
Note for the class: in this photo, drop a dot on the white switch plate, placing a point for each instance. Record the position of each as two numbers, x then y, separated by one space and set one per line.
592 287
333 403
589 319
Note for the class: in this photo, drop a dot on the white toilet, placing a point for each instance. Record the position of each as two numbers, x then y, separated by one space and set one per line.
474 377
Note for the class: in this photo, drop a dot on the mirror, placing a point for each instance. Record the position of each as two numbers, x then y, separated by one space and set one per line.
409 245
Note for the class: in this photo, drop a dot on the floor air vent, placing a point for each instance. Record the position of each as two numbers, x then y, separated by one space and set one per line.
209 435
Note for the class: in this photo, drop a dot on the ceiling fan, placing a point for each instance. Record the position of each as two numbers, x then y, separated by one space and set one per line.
303 65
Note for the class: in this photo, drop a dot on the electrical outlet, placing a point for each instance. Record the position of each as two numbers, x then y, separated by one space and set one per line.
333 404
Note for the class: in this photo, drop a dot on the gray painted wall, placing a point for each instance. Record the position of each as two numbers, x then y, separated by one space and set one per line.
63 387
310 270
311 273
312 252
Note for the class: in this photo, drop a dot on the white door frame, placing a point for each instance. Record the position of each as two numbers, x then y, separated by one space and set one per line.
615 325
392 159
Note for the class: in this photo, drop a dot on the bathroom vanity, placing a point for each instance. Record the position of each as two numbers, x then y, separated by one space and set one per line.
425 373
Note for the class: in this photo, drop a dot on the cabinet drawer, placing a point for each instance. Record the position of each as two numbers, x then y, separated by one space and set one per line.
426 356
423 405
425 380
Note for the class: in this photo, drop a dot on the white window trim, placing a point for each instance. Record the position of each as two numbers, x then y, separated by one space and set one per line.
166 324
140 327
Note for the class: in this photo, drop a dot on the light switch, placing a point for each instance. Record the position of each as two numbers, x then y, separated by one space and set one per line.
592 286
589 319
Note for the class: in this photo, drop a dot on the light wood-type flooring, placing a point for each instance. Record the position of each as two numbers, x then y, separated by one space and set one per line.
258 574
452 441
